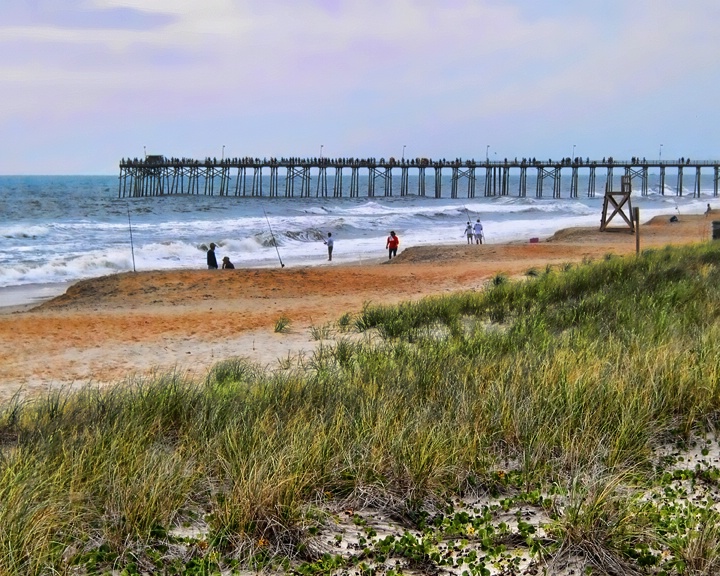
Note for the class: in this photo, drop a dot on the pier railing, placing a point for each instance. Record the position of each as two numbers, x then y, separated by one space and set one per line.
308 177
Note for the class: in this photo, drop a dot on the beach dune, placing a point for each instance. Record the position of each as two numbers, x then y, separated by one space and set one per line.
130 325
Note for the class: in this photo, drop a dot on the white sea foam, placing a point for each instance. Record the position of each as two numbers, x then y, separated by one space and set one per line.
8 230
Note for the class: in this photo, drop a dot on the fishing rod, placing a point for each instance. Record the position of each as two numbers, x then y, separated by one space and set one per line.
273 239
132 246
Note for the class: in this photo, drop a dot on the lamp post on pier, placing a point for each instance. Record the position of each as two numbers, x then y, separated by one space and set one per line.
572 158
487 152
222 156
661 152
403 154
321 151
145 152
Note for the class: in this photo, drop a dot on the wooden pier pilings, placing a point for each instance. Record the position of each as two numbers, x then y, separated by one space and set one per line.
159 176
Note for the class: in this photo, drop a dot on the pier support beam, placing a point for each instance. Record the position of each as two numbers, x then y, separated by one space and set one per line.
641 174
574 181
457 174
421 181
354 181
338 183
680 181
554 173
522 185
504 180
591 182
273 181
661 183
438 182
383 173
257 181
488 191
404 181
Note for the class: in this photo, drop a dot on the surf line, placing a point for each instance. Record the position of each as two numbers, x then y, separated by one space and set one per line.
132 246
273 238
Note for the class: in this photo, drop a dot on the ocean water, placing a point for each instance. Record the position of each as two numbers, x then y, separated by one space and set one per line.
59 229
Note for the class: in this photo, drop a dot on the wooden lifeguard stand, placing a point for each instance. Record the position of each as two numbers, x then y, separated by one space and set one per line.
618 200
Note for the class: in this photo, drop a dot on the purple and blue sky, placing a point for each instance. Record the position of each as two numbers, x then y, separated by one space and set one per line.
84 83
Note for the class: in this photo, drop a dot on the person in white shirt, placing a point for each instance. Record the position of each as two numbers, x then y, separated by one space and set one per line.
329 243
469 233
478 231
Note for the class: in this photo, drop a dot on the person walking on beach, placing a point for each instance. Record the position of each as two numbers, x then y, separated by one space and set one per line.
211 260
330 242
469 233
227 265
392 244
478 230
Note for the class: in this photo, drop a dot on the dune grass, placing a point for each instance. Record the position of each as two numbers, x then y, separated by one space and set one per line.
563 383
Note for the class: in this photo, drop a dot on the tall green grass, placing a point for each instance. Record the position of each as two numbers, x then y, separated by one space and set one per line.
572 376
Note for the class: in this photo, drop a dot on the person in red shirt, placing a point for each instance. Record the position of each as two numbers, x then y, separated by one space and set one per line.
392 244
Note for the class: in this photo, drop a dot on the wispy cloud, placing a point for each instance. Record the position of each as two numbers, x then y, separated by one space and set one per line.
450 74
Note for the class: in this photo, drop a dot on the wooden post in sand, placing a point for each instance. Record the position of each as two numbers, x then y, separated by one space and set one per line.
636 218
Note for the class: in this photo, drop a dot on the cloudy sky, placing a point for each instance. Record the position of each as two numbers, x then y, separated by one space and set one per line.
84 83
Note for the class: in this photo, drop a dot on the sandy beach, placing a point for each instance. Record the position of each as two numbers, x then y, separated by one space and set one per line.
129 325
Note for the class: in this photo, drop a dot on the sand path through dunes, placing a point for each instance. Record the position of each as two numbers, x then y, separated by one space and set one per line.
110 328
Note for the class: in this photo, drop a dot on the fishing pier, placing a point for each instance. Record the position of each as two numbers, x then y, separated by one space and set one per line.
328 177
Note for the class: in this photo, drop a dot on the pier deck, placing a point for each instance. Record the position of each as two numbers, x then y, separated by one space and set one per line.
308 177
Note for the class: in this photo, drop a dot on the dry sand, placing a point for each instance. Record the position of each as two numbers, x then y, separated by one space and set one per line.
132 324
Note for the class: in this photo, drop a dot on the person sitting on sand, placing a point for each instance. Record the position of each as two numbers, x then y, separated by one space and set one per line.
227 265
469 233
392 244
211 260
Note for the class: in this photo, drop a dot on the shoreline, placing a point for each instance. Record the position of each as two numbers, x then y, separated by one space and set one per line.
135 324
27 296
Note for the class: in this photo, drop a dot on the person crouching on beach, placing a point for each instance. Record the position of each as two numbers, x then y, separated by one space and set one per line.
330 243
227 265
469 233
211 260
392 244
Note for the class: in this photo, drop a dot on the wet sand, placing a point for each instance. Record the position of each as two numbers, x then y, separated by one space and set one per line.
130 325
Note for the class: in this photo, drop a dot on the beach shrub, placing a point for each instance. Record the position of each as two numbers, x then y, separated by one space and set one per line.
282 324
562 384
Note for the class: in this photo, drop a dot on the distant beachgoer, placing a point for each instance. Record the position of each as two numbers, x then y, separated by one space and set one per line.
469 233
227 265
330 242
478 230
211 260
392 244
708 210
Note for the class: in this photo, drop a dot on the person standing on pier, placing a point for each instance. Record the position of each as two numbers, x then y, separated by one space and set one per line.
469 233
392 244
330 242
478 230
211 260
